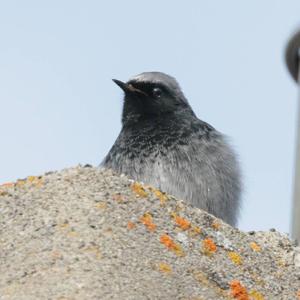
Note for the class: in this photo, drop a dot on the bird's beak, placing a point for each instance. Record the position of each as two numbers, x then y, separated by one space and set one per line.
128 88
121 84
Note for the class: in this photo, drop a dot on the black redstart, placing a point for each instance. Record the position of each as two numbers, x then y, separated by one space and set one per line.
162 143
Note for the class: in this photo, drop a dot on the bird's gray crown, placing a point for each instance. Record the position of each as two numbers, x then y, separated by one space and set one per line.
159 78
155 77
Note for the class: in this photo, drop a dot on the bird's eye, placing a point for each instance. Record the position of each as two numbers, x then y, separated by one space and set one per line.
157 92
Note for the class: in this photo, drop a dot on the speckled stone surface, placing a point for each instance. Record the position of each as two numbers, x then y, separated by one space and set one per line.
86 233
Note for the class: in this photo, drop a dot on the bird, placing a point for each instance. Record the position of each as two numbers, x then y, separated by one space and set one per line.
163 144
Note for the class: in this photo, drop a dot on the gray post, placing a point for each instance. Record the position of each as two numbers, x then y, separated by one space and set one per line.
292 58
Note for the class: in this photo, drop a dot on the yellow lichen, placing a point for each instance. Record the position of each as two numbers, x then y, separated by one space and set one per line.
255 247
165 268
20 182
216 225
235 258
195 230
255 295
139 190
31 178
173 214
161 196
101 205
37 181
201 277
64 225
3 193
73 233
95 250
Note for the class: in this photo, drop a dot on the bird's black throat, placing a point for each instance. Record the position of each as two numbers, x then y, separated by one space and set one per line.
150 133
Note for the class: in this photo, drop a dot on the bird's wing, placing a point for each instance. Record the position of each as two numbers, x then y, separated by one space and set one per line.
205 173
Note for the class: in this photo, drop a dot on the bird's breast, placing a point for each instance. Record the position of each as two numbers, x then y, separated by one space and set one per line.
149 141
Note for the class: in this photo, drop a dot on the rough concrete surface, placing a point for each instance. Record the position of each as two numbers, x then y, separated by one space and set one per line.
86 233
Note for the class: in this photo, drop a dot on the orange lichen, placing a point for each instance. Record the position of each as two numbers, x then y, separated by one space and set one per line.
255 295
118 197
131 225
171 245
235 258
139 190
165 268
238 291
167 241
255 247
56 254
7 184
146 219
183 223
216 225
298 294
208 246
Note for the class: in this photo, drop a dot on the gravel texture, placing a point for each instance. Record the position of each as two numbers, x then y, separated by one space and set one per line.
86 233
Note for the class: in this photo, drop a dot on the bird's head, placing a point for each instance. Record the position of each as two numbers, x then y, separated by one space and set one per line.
151 95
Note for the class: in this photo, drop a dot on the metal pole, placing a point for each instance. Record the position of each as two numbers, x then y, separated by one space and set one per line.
292 59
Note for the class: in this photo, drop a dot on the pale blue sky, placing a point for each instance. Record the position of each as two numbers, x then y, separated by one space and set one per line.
60 108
